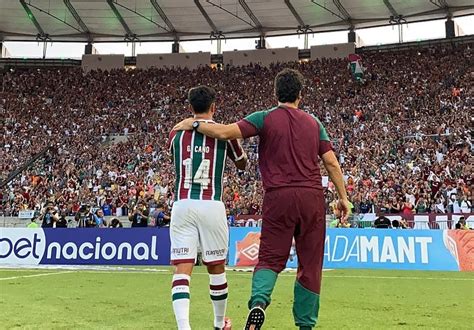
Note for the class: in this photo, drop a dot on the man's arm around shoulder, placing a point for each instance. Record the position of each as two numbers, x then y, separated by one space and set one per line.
214 130
220 131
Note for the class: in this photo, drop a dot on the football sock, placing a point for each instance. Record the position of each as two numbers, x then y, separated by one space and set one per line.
180 297
218 291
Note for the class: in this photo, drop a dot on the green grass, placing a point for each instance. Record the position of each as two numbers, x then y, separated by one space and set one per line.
351 299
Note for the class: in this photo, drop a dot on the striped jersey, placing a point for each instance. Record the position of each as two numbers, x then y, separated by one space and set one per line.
199 163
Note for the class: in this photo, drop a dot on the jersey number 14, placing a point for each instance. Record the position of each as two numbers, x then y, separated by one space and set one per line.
201 176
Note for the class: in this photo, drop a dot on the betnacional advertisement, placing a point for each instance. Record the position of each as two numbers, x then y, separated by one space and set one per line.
443 250
84 246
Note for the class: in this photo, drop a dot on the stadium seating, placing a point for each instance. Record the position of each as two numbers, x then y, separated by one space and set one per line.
400 134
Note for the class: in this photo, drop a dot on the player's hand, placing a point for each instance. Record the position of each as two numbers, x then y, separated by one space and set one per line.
185 125
344 209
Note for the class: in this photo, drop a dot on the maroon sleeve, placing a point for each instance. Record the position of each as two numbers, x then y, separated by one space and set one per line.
234 150
324 146
247 129
170 139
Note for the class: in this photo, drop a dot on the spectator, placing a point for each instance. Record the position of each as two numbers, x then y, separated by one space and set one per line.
115 223
99 219
49 216
407 207
462 225
343 223
402 224
32 224
382 222
421 206
62 221
139 218
161 219
84 217
465 205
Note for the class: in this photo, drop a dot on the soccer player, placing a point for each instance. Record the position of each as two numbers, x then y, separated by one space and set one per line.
291 145
198 217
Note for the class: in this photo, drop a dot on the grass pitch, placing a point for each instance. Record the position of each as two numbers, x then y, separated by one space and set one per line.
139 299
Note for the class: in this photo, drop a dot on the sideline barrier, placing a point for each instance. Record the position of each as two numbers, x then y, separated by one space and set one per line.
363 220
446 250
84 246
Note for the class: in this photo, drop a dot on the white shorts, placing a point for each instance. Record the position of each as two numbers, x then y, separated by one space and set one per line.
199 223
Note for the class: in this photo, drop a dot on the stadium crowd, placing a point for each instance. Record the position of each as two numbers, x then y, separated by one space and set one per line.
402 135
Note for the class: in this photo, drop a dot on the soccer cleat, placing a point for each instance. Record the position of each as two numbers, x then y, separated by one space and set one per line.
255 319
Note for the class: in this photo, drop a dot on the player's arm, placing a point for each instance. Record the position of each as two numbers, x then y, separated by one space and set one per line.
213 130
237 154
241 164
220 131
334 170
171 144
247 127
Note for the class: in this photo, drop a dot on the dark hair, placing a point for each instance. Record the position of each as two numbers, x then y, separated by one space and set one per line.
288 85
115 223
160 206
201 98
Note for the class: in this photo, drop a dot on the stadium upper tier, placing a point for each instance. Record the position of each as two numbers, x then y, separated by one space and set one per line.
131 20
377 126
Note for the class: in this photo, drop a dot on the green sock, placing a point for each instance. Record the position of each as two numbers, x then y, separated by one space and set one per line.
263 282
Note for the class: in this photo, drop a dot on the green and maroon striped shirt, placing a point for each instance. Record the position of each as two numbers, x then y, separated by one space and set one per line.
199 164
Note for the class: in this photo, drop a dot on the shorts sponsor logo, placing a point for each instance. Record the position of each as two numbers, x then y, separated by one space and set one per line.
180 251
216 253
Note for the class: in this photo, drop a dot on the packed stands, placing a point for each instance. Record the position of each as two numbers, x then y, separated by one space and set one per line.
402 135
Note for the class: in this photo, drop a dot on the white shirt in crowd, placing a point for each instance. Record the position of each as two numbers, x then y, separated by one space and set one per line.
411 198
163 190
456 207
450 192
465 207
440 208
439 156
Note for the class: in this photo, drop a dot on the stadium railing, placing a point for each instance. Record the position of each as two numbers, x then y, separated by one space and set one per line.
417 221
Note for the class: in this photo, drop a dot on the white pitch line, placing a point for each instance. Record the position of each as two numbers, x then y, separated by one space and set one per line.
168 272
288 275
368 277
400 277
33 275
